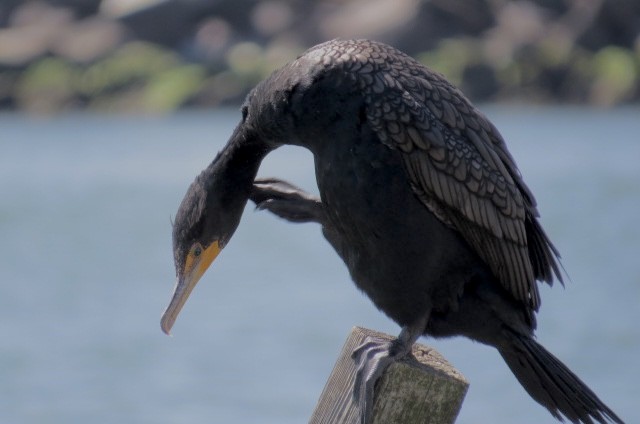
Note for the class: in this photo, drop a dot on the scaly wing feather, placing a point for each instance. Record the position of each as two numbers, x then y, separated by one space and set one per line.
457 162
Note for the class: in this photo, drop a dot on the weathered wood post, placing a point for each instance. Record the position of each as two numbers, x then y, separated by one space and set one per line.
422 389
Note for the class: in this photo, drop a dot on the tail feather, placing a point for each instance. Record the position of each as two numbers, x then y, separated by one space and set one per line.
553 385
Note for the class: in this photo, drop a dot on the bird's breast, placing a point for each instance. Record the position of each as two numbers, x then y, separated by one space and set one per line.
392 245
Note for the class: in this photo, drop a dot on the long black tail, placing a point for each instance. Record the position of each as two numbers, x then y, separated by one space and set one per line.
553 385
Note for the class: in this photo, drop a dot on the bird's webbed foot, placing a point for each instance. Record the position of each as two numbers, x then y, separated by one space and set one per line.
286 201
372 358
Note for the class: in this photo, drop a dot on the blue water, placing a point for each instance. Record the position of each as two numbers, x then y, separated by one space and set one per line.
86 270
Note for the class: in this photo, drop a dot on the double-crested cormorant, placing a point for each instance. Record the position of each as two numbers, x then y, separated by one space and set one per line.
418 195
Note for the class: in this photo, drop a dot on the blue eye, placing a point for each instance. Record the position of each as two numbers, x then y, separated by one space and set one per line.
197 251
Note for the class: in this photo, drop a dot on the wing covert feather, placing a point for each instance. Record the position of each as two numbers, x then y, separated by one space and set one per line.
457 163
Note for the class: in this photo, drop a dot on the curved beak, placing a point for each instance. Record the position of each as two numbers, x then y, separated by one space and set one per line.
194 269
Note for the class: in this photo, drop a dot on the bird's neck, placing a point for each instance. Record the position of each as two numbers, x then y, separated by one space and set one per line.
232 172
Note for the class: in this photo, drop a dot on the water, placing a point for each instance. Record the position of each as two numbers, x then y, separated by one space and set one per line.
86 270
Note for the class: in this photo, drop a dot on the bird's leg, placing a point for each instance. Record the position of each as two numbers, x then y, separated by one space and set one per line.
373 357
286 201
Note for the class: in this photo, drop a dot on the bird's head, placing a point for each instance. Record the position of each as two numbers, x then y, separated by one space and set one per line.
211 209
207 218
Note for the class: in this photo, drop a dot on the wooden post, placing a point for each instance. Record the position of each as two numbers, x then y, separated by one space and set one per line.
419 389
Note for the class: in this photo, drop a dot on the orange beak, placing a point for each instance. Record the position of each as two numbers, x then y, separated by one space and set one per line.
194 269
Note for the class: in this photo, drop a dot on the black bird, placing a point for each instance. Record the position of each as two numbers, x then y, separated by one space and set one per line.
418 195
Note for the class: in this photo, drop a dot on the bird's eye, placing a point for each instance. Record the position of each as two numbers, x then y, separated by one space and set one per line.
197 251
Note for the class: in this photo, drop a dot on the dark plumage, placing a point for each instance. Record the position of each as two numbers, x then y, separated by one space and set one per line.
418 195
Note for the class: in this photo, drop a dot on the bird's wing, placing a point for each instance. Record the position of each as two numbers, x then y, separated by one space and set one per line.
460 168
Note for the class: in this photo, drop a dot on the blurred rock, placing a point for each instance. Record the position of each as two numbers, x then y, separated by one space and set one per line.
617 22
211 41
88 39
162 22
368 18
162 54
271 17
118 8
80 8
173 23
32 28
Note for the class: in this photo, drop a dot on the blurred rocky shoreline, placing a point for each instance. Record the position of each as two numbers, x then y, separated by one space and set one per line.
162 55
